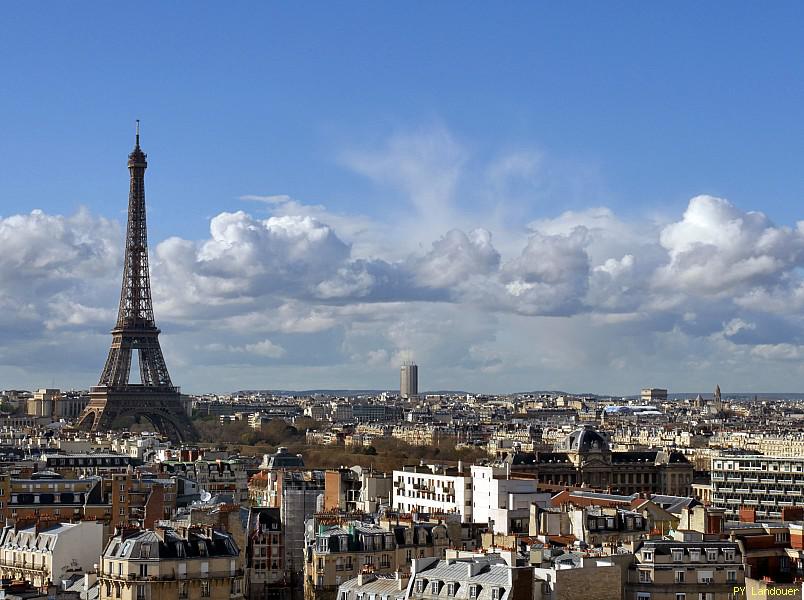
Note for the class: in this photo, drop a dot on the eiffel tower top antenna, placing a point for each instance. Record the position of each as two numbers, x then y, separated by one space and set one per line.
137 144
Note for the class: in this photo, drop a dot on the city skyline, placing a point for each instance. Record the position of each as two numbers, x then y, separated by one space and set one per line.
548 218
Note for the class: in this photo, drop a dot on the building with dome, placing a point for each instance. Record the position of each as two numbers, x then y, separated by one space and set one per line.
585 458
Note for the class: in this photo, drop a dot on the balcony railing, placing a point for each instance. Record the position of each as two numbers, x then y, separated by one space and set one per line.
224 574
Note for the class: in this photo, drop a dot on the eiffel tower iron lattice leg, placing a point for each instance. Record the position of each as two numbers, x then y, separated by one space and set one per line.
155 397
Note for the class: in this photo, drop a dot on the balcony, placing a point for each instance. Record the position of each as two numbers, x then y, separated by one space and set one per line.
224 574
19 565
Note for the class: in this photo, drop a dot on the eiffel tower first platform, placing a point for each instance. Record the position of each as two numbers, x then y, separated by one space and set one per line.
155 398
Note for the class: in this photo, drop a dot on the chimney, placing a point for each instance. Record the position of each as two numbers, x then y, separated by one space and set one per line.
90 579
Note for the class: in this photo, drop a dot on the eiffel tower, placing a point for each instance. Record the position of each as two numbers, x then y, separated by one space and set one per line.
155 398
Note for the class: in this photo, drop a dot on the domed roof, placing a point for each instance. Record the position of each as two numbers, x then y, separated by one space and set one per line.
585 439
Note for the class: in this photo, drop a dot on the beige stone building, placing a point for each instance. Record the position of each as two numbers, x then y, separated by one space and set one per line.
584 457
340 553
168 564
572 576
689 567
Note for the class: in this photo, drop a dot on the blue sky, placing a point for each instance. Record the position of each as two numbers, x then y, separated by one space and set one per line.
375 117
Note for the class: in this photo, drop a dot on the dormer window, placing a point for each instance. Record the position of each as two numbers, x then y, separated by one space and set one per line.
711 554
678 554
647 555
729 555
435 586
474 590
452 587
420 583
496 593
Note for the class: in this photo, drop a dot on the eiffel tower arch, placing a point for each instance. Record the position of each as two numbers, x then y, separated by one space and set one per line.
155 398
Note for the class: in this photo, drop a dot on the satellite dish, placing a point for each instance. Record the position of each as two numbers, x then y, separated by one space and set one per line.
205 496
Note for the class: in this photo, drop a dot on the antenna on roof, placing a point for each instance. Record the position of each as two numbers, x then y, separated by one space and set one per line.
138 134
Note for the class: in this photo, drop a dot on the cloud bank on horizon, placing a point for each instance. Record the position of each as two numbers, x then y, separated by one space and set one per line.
294 295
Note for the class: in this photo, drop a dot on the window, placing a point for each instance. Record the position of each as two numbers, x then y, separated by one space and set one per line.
495 593
728 555
643 596
678 554
419 585
644 577
731 576
452 587
647 555
140 592
711 554
435 586
473 590
695 554
143 570
680 576
706 596
681 596
205 589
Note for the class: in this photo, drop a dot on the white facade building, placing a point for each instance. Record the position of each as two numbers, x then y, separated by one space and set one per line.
44 553
433 489
498 498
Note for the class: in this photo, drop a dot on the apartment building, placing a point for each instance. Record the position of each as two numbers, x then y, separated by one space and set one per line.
169 564
596 526
423 435
355 488
296 493
689 567
214 476
43 552
266 577
766 484
568 575
339 553
474 578
504 501
433 489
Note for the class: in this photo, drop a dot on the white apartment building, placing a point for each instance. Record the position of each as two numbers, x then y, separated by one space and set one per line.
485 494
433 489
504 501
46 552
768 484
